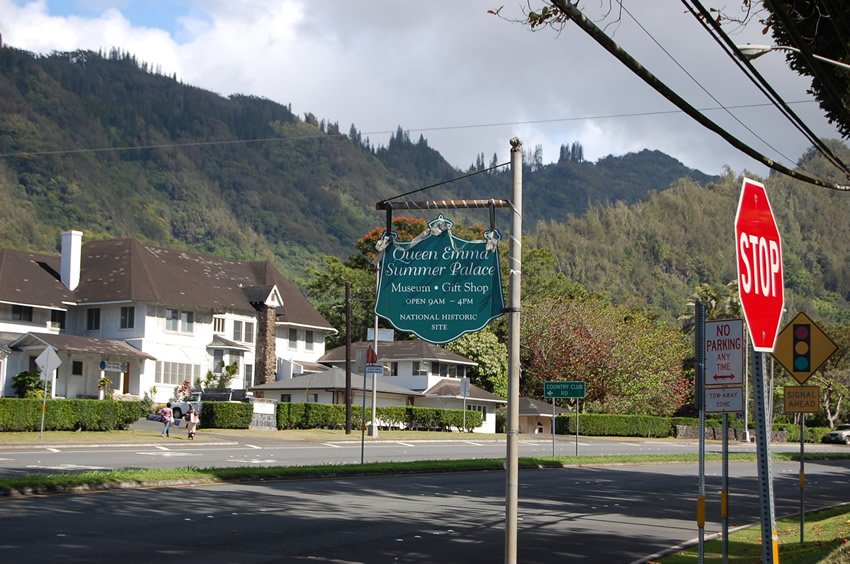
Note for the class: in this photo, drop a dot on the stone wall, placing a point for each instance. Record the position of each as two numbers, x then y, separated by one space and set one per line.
265 415
716 434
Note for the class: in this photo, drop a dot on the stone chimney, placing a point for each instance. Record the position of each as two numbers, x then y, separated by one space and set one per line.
72 250
266 355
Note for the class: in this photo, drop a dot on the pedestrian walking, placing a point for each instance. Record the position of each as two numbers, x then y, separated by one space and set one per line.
167 419
191 421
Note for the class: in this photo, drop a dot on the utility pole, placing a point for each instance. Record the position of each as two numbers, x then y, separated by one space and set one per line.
347 358
512 485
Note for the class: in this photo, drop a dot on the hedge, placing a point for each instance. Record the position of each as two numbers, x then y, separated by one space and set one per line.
226 415
597 424
18 414
813 434
332 416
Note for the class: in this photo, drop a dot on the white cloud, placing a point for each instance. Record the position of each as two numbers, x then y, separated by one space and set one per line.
443 64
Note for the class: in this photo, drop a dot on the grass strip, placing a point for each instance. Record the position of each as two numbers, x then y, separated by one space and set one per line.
106 479
825 534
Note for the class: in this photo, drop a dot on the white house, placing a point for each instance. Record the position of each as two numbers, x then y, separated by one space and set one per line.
150 318
426 368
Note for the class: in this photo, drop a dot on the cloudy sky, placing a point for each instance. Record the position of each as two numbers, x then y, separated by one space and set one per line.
466 80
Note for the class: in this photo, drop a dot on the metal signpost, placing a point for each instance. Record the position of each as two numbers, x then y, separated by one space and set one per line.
445 289
802 348
574 389
724 372
758 247
48 361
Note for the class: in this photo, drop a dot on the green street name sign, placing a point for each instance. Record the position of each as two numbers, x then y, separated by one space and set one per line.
564 389
440 286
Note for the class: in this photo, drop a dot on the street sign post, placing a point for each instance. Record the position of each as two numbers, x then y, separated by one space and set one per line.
48 361
758 247
564 389
802 348
574 389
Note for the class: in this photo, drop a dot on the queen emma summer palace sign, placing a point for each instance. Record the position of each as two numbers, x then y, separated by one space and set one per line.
439 286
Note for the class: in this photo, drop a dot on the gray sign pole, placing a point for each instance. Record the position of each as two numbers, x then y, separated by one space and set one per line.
578 400
768 518
699 344
553 427
802 477
512 481
512 311
724 494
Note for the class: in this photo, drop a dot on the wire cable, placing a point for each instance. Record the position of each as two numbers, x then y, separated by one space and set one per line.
27 154
721 38
609 45
441 183
703 88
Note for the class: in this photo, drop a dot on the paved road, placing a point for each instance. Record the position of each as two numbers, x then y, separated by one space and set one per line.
618 514
264 450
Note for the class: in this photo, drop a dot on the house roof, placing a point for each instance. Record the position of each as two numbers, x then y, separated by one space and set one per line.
531 407
450 387
110 348
219 342
32 279
119 270
392 351
331 379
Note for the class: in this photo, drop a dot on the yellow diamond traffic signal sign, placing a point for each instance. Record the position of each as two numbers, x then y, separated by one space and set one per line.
802 348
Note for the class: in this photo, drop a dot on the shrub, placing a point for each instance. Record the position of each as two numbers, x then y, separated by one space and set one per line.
226 415
69 414
599 424
29 385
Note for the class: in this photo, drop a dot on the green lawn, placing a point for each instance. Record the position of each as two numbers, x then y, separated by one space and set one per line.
825 534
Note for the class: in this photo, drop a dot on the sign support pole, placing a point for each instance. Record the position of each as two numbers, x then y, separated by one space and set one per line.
724 494
802 477
699 343
512 479
578 400
553 427
769 534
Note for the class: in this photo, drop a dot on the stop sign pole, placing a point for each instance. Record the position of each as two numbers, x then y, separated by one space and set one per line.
760 285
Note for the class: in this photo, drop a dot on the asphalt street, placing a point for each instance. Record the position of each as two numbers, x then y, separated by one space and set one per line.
587 514
261 449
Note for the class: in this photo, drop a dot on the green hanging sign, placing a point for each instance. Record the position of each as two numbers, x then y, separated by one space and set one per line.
439 286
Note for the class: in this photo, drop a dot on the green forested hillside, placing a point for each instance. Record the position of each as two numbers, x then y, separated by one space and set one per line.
661 249
100 143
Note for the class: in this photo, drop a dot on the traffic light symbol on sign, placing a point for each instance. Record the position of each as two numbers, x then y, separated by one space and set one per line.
802 344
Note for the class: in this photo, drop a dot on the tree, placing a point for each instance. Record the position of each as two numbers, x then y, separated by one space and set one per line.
630 362
492 357
834 376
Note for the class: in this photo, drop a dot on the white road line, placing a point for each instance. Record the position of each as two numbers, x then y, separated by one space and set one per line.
472 443
332 445
404 444
54 450
160 447
254 446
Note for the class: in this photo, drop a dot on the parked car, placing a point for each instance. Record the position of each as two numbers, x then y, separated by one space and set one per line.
841 434
180 407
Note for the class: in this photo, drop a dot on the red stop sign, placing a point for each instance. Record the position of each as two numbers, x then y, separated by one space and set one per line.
759 250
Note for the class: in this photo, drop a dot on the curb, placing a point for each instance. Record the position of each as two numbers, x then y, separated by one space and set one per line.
111 445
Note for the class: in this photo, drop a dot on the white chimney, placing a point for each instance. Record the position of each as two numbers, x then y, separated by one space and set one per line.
72 249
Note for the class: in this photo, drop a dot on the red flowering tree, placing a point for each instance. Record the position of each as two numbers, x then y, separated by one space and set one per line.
629 362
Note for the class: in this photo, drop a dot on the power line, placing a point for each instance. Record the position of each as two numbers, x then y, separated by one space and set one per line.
698 83
25 154
713 28
575 15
